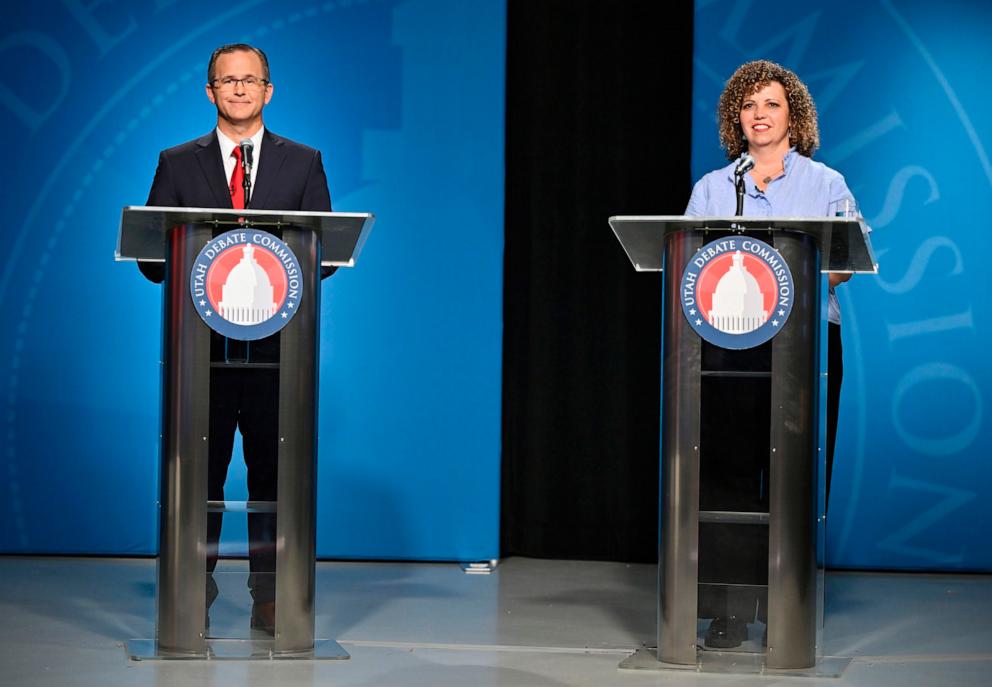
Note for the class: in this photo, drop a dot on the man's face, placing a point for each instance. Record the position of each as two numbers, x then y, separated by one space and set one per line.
238 102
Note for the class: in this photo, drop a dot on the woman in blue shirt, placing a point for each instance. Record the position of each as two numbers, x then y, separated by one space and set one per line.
765 110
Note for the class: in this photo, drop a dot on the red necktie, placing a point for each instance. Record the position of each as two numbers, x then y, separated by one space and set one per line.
238 181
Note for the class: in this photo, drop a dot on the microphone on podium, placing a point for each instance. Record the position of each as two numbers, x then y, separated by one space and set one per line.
246 162
745 163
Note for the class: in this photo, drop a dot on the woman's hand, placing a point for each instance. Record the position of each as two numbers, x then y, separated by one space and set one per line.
838 278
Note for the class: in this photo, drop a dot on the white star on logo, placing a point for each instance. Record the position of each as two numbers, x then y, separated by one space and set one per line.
290 304
203 302
209 313
774 323
284 316
781 313
698 322
692 312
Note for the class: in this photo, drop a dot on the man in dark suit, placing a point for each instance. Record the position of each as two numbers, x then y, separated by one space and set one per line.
206 172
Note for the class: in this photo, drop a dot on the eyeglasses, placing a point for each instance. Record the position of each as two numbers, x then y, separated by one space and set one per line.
228 83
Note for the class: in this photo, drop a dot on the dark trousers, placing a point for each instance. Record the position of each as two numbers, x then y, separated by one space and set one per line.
733 473
835 375
245 400
734 477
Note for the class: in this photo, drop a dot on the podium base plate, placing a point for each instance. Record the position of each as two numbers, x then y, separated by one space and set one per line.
727 662
236 650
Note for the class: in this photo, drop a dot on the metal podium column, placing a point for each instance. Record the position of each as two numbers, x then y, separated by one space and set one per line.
297 502
792 473
793 461
182 559
679 474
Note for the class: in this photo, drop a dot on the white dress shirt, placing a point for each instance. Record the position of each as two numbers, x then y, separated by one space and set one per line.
227 147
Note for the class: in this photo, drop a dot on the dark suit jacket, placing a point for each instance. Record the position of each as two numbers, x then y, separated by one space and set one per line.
290 177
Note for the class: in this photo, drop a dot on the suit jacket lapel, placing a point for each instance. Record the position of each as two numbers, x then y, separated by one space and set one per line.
208 155
270 162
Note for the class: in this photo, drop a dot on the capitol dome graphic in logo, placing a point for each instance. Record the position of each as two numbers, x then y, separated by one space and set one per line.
738 304
737 292
246 284
246 297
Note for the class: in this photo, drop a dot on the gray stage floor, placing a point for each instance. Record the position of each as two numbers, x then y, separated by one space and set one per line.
531 623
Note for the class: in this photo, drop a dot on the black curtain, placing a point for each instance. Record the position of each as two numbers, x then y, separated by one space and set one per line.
598 110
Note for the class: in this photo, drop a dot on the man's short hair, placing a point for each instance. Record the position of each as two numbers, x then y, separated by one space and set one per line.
236 47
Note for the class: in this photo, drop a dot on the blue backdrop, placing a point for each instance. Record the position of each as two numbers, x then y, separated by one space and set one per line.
905 115
405 100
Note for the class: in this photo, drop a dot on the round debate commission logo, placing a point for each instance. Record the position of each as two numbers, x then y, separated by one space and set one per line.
246 284
737 292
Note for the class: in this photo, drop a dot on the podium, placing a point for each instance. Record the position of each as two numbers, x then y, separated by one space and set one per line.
175 238
783 523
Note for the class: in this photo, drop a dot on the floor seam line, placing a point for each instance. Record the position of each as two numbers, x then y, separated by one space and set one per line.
917 658
490 647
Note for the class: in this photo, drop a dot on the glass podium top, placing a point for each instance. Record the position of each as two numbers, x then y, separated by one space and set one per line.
844 241
143 229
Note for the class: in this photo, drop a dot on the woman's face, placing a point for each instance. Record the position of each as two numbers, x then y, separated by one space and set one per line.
765 118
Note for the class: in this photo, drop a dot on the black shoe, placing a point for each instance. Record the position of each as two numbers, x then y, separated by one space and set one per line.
726 633
263 616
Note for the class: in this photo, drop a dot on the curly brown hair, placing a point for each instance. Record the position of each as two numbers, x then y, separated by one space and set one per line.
751 77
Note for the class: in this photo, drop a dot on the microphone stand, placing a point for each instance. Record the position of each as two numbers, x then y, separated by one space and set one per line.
744 166
740 194
246 166
246 151
739 185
